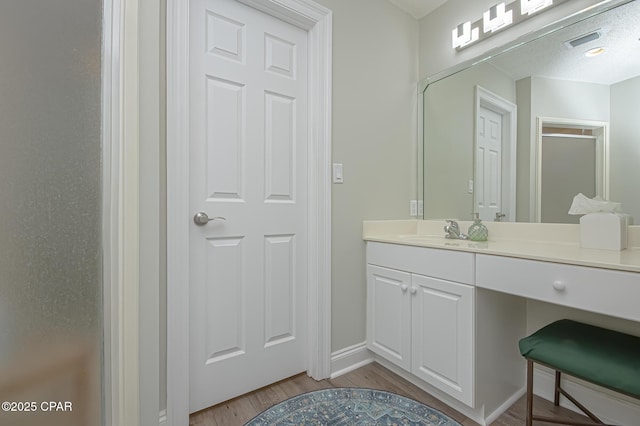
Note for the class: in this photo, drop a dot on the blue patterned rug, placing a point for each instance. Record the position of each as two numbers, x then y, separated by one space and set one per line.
351 407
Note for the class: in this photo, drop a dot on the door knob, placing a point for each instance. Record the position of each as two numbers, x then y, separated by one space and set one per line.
201 218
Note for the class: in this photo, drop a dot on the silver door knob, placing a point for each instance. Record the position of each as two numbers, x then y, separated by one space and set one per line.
201 218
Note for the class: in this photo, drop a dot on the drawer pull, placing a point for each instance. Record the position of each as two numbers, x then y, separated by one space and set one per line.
414 290
559 285
404 288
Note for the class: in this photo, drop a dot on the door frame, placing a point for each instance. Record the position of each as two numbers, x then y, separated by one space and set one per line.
317 21
509 112
602 157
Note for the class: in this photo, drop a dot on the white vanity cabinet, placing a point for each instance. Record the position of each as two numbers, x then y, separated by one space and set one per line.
420 314
448 314
389 314
603 291
442 323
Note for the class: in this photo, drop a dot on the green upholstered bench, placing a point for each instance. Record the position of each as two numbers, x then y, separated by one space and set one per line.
604 357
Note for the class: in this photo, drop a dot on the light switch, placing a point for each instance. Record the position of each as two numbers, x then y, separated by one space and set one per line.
337 173
470 186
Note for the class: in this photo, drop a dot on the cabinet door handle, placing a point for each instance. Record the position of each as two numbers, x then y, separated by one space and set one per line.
559 285
404 288
414 290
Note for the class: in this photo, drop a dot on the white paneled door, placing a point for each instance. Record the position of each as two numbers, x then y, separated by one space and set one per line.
247 162
488 191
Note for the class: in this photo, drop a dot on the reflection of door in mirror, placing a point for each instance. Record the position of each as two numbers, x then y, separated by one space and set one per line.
572 159
495 166
488 185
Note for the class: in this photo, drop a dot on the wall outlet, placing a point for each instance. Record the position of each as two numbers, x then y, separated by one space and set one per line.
413 208
470 186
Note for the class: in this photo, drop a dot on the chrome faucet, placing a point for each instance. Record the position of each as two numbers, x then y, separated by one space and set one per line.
453 231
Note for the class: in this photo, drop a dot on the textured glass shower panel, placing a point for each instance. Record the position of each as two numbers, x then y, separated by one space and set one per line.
50 212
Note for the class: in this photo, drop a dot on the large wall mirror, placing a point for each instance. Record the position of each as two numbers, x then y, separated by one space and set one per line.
517 135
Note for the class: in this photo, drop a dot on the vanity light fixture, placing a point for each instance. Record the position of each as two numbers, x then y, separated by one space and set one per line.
464 35
529 7
496 18
595 52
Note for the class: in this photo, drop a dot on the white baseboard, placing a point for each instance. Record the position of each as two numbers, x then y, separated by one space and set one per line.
504 406
610 407
163 417
474 414
349 359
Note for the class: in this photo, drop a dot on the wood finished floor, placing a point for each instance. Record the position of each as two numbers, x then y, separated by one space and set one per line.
238 411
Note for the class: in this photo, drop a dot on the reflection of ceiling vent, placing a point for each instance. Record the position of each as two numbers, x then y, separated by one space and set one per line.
585 38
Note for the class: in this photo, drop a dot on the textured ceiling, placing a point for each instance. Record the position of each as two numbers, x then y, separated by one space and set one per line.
550 57
418 8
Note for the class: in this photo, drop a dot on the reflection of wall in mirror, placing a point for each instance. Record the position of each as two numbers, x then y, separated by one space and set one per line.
546 97
449 111
568 168
625 146
617 104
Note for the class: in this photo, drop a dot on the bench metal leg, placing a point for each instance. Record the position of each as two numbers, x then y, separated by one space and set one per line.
529 416
556 393
556 400
581 407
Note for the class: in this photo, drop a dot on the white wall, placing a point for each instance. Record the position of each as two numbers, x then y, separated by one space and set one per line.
625 145
523 154
375 73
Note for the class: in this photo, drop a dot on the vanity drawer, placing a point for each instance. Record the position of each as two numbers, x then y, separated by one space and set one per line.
437 263
605 291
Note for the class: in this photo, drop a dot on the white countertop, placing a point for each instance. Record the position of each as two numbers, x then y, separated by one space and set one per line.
544 242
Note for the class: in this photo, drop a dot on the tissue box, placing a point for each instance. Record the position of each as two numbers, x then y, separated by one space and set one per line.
603 231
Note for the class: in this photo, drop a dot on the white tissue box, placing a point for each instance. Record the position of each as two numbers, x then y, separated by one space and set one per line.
606 231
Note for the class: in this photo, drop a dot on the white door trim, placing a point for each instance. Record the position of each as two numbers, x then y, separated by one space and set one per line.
111 229
509 112
317 20
120 104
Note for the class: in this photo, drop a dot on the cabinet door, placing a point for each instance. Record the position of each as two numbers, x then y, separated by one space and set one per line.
389 314
442 339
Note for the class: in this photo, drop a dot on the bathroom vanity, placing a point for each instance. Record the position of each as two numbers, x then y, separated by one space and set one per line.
448 314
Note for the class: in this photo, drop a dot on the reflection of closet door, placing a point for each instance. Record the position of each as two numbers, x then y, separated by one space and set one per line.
568 168
488 189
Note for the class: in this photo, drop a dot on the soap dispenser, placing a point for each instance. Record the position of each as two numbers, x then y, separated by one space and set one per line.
477 231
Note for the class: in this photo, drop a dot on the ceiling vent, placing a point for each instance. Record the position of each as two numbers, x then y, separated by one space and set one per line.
583 39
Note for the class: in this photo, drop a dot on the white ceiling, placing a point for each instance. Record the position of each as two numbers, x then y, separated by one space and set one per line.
418 8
